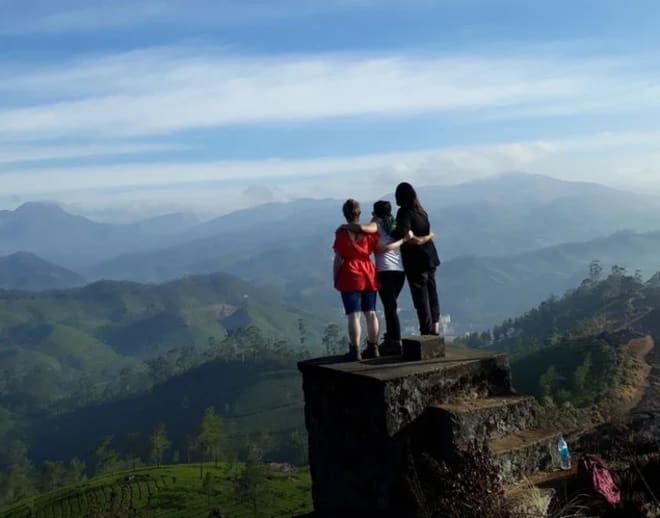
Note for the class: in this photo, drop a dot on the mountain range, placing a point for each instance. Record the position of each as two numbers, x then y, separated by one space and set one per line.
506 242
501 215
74 241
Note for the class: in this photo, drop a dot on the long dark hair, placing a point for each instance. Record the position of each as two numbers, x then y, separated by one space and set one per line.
407 197
383 210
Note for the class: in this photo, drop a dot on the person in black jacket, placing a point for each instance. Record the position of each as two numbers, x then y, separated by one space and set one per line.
419 262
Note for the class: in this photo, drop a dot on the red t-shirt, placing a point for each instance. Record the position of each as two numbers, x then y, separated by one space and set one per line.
357 273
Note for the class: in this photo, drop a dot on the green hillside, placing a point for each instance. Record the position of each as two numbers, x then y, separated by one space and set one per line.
57 340
478 292
253 397
175 491
573 348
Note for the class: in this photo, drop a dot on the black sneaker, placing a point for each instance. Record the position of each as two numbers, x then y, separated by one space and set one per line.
353 354
372 351
391 347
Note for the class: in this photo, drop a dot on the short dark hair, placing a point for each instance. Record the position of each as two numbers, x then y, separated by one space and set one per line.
382 209
351 210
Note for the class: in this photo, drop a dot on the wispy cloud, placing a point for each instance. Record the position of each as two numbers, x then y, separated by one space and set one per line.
118 112
27 153
161 91
600 157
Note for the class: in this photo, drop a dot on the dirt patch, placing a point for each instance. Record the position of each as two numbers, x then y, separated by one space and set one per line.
650 401
636 372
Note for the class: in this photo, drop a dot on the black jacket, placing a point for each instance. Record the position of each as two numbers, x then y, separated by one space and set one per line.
415 258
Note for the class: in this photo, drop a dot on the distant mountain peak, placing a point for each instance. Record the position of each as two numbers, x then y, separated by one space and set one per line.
27 271
31 206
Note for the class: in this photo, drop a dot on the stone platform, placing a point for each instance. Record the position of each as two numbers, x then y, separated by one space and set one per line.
362 418
367 420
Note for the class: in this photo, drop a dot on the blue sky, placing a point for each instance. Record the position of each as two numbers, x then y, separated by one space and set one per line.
147 107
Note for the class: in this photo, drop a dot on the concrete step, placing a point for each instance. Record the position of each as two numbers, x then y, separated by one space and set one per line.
481 419
523 454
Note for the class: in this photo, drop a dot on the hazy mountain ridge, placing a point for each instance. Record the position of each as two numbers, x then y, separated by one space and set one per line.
477 292
75 241
493 216
480 291
506 242
517 188
27 271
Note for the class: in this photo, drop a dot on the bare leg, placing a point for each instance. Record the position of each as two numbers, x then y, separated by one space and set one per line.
354 329
372 326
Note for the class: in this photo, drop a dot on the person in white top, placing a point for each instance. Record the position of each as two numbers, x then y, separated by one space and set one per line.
389 269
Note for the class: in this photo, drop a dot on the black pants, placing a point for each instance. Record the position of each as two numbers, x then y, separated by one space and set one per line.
425 298
391 284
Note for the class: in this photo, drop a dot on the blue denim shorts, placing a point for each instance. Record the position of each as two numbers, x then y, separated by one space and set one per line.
356 301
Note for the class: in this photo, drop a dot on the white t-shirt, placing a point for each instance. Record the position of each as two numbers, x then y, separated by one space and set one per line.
387 261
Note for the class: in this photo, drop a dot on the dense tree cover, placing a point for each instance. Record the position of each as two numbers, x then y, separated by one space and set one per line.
21 479
581 311
69 348
576 371
556 349
102 415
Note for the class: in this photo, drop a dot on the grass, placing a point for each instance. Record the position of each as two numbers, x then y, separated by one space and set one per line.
169 492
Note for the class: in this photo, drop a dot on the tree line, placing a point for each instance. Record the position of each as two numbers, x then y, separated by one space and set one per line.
20 478
548 322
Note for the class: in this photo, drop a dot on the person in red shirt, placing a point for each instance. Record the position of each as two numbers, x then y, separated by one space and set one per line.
355 278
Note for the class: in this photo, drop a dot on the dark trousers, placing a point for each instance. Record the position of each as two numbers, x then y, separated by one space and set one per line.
391 284
425 298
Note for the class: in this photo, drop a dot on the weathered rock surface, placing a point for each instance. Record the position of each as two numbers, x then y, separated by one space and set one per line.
366 419
423 348
523 453
362 416
463 422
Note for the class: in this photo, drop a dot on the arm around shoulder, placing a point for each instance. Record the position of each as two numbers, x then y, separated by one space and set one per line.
421 240
368 228
403 224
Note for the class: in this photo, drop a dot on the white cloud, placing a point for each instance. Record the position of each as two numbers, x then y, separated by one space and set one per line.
618 159
27 153
162 91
